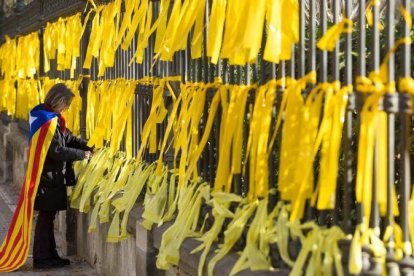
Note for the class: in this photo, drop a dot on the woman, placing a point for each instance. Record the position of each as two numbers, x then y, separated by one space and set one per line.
56 175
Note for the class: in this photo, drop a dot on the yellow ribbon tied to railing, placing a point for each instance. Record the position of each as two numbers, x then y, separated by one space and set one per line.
369 16
330 38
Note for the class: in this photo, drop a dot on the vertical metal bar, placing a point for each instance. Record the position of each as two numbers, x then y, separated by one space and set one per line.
85 80
390 126
336 77
184 65
262 66
336 51
282 71
189 64
361 39
302 38
324 54
312 39
255 73
225 73
206 65
150 55
119 60
348 152
273 70
144 63
291 64
362 72
200 68
247 74
374 220
209 77
232 75
405 145
238 188
239 74
41 72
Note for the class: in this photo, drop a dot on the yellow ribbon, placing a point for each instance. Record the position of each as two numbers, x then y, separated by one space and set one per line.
406 85
330 38
407 17
369 16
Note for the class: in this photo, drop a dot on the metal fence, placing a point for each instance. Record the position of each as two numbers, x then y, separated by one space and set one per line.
355 55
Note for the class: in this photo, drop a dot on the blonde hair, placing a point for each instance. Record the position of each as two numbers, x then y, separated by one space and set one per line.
59 97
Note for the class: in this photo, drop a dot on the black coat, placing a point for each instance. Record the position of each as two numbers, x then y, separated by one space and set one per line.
58 171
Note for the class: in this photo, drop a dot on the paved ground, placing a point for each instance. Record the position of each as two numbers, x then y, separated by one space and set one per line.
8 199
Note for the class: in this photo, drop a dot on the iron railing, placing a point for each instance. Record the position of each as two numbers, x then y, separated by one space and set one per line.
355 55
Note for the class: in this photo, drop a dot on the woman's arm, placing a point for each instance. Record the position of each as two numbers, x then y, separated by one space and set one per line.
75 142
60 153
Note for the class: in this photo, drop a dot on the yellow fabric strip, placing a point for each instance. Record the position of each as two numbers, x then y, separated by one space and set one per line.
330 38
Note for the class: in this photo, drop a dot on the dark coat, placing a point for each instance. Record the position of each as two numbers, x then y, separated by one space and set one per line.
58 171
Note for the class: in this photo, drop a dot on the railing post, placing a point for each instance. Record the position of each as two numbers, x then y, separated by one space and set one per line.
348 134
389 219
407 263
71 214
85 79
375 44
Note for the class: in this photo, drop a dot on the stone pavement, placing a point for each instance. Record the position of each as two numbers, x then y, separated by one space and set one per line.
8 199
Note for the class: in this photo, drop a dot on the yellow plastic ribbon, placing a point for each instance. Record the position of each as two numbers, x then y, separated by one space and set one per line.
220 202
256 253
258 149
369 16
407 17
406 85
330 38
185 224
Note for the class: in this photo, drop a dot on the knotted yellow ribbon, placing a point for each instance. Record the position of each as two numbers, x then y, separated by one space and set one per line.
406 85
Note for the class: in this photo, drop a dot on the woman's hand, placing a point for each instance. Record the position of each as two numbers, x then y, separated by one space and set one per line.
88 155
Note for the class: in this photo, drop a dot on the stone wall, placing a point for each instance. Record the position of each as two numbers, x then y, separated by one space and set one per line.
13 152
